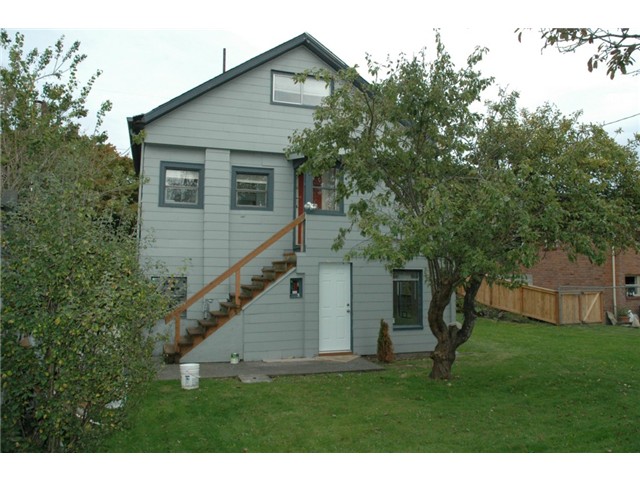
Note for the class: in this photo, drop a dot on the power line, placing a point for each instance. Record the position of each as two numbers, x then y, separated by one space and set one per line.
621 119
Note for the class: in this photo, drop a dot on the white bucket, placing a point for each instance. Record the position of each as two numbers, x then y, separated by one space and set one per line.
190 375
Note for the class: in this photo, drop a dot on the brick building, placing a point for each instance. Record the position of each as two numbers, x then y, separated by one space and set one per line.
556 272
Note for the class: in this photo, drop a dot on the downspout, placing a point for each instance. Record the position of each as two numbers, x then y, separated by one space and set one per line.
613 272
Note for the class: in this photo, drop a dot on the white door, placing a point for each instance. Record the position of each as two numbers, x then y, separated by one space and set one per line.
335 307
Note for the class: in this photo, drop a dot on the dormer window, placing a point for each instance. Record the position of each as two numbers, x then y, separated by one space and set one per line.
308 93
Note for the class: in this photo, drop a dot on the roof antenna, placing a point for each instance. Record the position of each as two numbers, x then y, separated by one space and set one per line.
224 60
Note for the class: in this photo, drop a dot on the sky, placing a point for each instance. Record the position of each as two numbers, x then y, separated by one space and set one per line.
149 54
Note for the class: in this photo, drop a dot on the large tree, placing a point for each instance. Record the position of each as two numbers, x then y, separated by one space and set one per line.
474 192
77 309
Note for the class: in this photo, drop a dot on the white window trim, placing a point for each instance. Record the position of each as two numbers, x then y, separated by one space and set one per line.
297 88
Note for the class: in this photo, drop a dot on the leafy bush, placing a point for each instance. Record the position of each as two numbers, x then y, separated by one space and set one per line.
76 322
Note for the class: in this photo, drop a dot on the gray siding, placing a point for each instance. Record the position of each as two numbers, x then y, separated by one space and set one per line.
233 125
239 115
236 125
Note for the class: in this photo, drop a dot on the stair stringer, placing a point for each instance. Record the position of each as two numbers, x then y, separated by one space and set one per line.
229 338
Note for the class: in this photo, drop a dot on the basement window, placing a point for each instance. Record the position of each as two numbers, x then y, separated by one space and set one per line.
175 288
407 299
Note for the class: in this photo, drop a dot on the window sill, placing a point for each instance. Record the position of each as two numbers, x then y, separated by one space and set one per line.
179 205
407 327
296 105
251 209
330 213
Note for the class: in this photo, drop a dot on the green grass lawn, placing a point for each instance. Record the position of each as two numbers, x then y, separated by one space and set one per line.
517 387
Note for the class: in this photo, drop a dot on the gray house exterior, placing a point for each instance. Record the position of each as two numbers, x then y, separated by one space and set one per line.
217 184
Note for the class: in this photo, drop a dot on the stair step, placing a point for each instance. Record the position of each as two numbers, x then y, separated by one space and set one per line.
252 288
218 314
244 297
206 324
269 273
195 331
279 265
171 355
229 305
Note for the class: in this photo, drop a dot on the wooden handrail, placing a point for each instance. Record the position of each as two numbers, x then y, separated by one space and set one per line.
235 269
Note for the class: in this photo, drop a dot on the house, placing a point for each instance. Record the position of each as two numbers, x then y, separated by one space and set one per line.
618 278
218 186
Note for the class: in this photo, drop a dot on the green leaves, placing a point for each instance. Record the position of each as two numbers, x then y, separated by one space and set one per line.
71 283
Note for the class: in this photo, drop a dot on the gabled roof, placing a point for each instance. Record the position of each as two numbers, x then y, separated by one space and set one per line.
137 123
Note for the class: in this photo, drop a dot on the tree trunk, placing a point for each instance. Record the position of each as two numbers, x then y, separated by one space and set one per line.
450 337
443 357
444 354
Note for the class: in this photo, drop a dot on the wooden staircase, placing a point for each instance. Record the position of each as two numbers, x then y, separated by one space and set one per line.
229 308
242 295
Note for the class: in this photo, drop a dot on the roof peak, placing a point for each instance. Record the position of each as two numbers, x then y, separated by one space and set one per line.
304 39
139 122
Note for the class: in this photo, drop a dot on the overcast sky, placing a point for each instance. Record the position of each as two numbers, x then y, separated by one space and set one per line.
151 55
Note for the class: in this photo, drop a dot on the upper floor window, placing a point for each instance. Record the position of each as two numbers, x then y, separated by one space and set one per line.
324 191
252 188
181 185
308 93
319 195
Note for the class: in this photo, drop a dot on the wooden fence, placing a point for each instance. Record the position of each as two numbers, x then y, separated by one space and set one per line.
564 307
